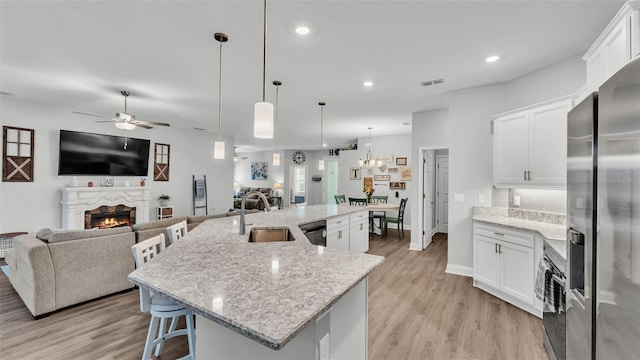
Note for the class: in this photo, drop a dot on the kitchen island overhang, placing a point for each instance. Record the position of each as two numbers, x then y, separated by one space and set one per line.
267 292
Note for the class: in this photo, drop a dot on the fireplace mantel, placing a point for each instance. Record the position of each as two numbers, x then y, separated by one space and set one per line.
77 200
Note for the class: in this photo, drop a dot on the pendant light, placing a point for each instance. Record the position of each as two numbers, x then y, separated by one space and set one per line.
369 163
218 149
321 161
263 115
276 154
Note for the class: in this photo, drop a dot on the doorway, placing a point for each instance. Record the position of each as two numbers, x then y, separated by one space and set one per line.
331 187
442 192
428 180
432 196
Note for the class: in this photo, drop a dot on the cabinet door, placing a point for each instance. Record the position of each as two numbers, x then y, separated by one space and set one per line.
517 271
485 261
338 233
510 148
548 144
359 236
617 48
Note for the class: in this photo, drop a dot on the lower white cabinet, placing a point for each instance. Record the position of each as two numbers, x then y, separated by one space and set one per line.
505 263
359 231
338 232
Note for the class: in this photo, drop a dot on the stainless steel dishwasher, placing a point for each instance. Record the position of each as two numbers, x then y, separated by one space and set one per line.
316 232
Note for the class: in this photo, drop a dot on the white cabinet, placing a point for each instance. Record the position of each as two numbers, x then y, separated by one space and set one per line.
338 232
504 264
359 231
530 146
614 48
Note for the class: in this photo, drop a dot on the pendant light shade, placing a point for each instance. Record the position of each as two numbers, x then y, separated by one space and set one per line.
263 111
321 161
218 147
369 162
276 159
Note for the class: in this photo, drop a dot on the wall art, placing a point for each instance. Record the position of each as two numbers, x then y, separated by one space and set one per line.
161 162
401 161
393 170
397 185
405 173
17 157
259 170
355 173
381 177
384 158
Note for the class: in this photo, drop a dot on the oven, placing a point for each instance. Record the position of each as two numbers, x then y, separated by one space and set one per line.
554 308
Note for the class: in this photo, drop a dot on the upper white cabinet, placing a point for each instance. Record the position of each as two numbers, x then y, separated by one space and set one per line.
615 47
530 146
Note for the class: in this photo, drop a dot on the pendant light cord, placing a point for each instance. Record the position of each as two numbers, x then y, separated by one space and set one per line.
220 95
275 119
264 52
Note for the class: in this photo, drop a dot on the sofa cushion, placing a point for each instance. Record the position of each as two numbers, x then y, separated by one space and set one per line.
201 218
265 191
44 234
66 235
164 223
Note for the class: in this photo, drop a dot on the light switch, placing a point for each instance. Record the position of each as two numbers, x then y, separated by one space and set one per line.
481 199
516 200
459 198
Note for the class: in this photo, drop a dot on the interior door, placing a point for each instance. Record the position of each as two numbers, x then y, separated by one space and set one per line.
442 217
298 181
428 167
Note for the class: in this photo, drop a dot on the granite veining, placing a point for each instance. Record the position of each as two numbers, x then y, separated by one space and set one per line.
548 225
268 292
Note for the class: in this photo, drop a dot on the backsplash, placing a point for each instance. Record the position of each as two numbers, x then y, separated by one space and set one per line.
553 201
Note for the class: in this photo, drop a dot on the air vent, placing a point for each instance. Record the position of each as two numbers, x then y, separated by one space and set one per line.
432 82
197 128
5 93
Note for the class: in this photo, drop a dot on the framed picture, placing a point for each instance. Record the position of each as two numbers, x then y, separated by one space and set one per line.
393 170
384 158
354 173
405 173
381 177
397 185
401 161
367 182
259 170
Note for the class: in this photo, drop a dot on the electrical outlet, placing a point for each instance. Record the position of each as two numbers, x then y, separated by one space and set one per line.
459 198
516 200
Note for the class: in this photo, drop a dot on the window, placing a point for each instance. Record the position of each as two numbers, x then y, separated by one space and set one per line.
299 180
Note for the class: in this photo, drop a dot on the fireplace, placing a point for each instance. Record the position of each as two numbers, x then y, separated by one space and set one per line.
77 201
105 217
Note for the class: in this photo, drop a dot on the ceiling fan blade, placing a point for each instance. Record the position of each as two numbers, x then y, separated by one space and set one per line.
84 113
144 126
150 123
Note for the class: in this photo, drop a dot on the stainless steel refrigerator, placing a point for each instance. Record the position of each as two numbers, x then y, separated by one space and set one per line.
603 219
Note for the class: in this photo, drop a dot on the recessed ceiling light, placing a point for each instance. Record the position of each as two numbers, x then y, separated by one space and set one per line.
368 83
493 58
302 30
324 145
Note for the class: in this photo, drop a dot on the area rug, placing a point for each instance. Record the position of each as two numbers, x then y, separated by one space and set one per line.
5 269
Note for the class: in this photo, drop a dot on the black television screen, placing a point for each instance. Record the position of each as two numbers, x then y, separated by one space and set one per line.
95 154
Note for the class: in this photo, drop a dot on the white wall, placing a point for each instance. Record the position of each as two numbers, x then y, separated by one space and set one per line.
429 129
396 145
32 206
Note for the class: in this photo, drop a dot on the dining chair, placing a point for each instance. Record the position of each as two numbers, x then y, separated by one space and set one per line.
399 221
357 201
340 199
380 215
161 308
177 231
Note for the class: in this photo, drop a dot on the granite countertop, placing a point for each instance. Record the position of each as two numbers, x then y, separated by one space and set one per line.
267 292
549 225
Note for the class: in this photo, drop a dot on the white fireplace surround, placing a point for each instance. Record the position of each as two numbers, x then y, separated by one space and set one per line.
77 200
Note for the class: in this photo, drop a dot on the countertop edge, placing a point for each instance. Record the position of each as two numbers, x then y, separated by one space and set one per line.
498 221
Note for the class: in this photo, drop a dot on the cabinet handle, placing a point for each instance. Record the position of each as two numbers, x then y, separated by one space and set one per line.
360 226
499 249
524 175
529 175
499 234
340 234
496 246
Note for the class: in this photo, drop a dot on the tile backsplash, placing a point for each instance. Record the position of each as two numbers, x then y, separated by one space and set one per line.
554 201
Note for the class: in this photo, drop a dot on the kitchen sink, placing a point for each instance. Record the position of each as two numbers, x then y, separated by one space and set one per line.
270 234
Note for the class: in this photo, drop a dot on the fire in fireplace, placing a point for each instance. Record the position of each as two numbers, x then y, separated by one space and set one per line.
105 217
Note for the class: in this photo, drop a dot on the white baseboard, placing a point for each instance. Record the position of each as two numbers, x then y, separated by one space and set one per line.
459 270
415 247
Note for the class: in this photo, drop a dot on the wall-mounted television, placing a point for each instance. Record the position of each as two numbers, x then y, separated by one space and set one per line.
96 154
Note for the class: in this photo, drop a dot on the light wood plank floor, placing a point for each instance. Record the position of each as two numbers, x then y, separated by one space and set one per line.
416 311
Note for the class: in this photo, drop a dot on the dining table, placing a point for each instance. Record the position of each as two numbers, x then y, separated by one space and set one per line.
381 207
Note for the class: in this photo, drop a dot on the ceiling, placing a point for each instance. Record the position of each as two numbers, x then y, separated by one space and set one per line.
78 56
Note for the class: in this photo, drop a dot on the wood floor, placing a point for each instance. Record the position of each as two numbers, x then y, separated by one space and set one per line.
416 311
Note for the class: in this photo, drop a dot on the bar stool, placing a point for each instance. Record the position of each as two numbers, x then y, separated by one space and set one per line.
177 231
160 307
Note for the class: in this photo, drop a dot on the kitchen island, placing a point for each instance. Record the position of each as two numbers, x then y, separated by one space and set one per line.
252 299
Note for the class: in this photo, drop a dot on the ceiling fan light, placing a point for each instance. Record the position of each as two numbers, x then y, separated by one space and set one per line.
263 121
276 159
125 126
218 150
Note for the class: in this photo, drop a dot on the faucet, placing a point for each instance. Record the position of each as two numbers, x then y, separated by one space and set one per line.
267 207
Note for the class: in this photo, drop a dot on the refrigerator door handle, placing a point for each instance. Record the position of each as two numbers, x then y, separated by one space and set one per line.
576 237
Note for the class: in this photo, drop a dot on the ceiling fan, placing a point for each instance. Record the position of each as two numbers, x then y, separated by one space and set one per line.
125 120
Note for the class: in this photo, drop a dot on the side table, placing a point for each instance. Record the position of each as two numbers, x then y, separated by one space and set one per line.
6 241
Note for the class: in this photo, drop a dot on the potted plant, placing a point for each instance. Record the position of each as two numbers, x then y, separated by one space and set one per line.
164 199
368 191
